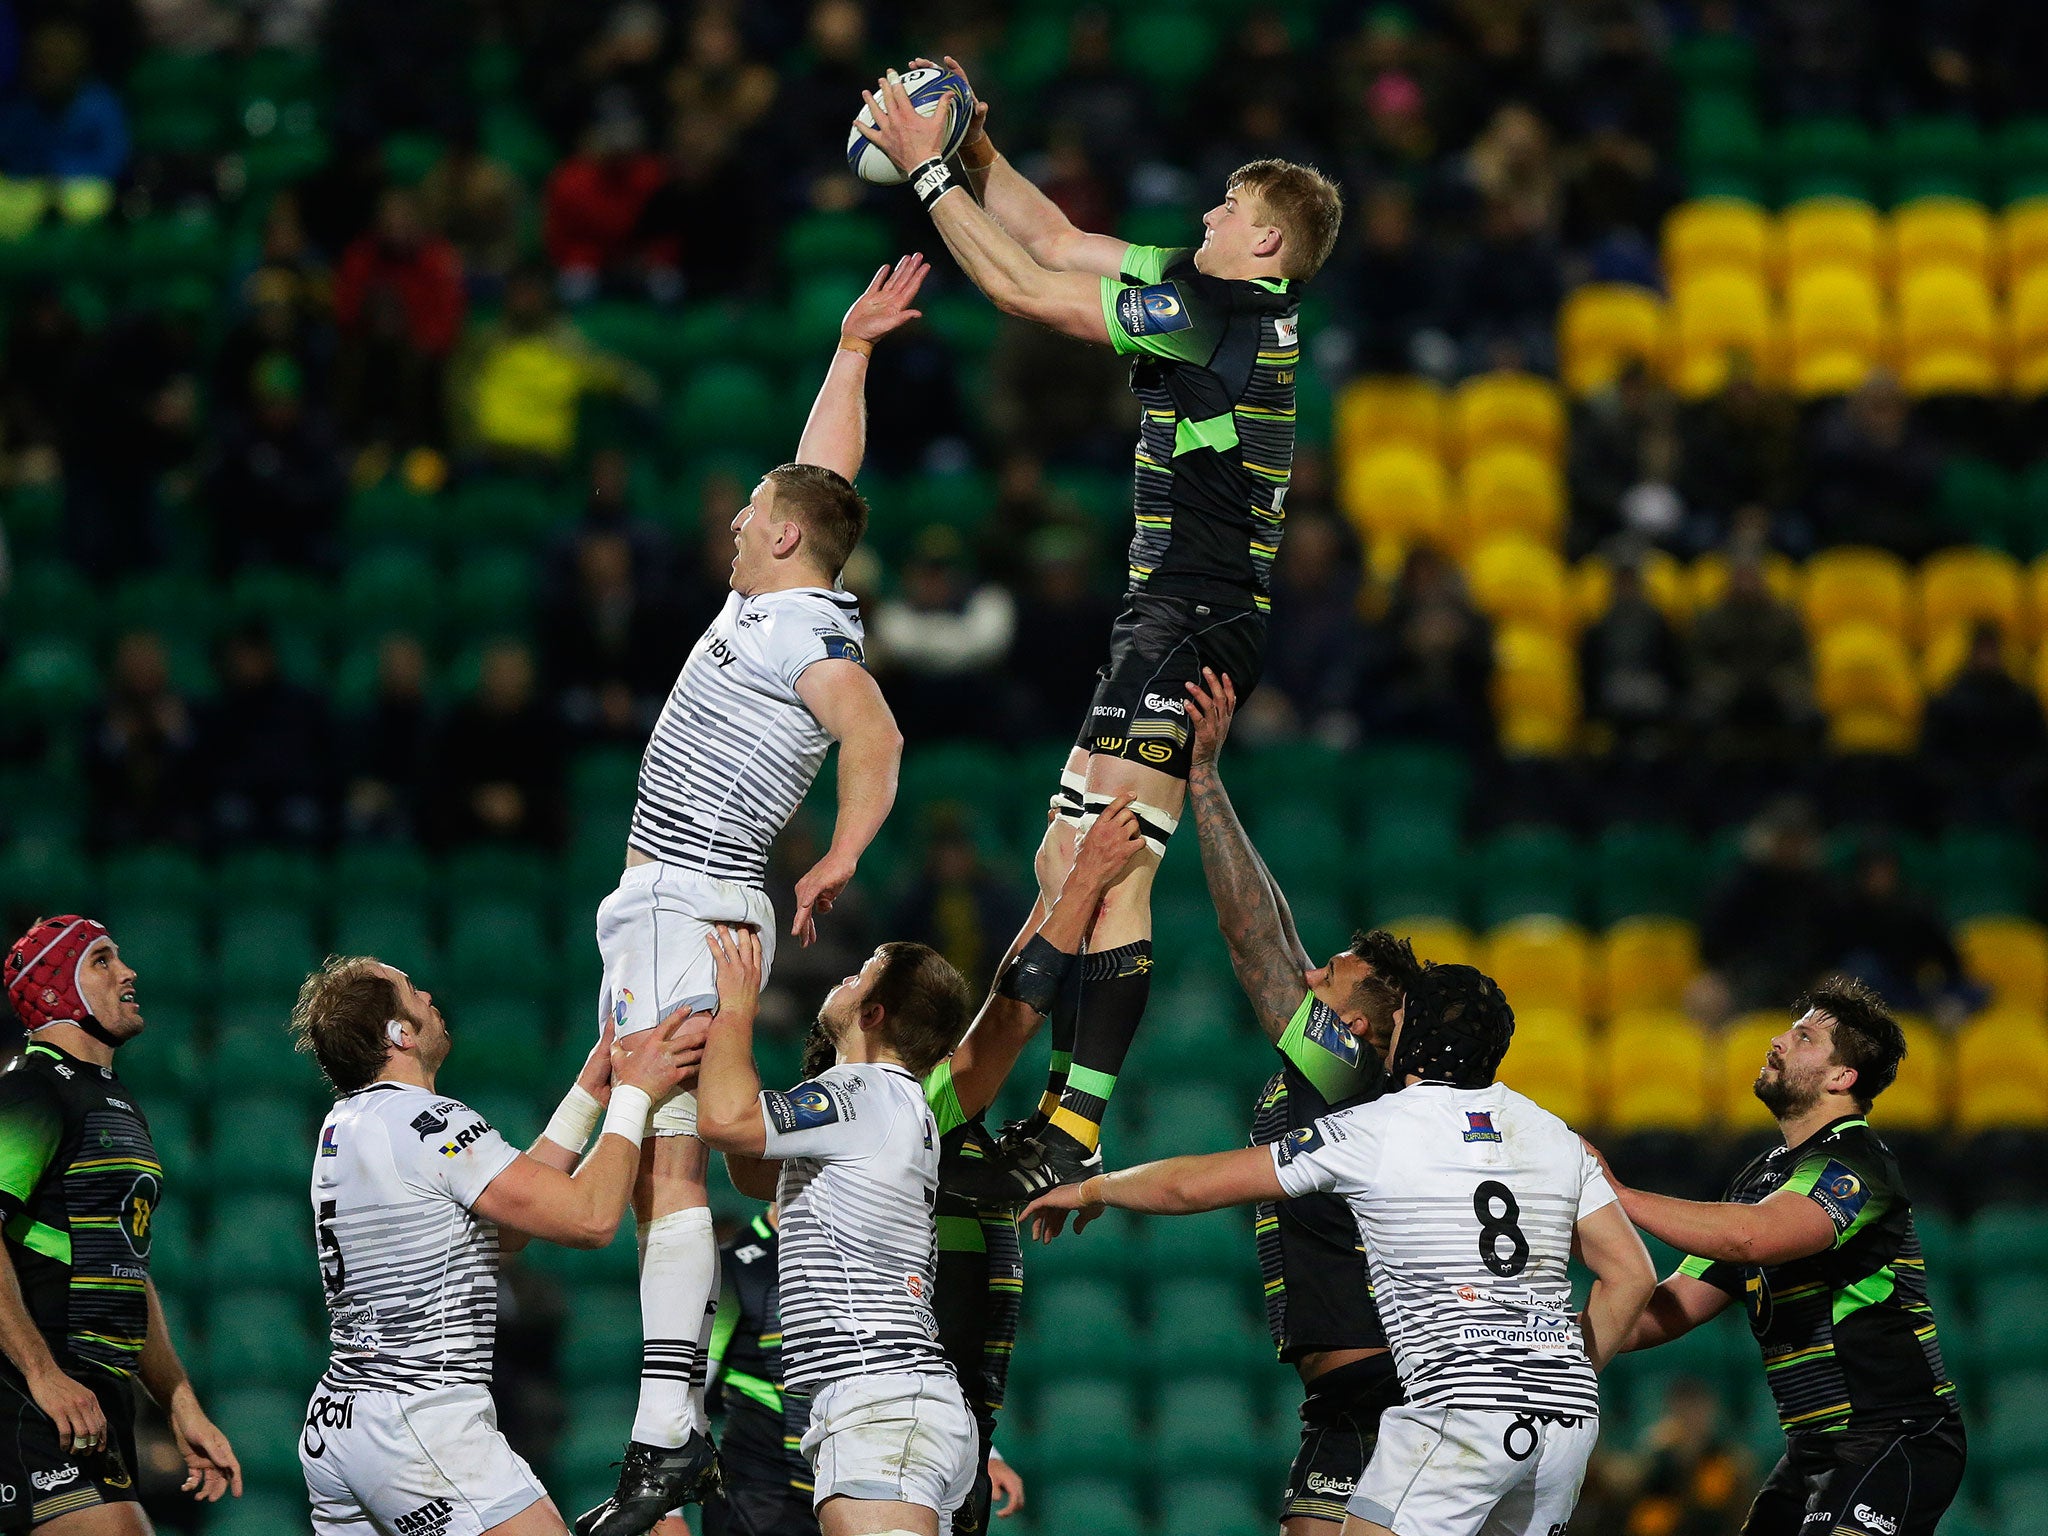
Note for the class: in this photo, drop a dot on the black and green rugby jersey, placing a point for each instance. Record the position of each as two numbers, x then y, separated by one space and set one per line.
764 1426
981 1262
79 1188
1848 1337
1214 377
1318 1288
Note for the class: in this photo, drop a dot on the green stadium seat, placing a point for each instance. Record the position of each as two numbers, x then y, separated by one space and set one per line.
262 1339
163 944
2031 521
271 876
181 608
263 1424
1643 871
1324 922
1205 1426
171 1122
174 1249
1076 1319
2014 1432
487 873
187 241
497 948
260 1143
156 874
1714 61
1205 1328
280 599
394 929
2011 1324
1413 868
1303 844
2021 1501
515 1114
1205 1505
1986 873
501 1046
390 589
1168 49
837 240
49 599
729 405
264 1239
50 680
1089 1423
2008 1239
1089 1506
1183 1117
1938 157
1721 137
969 325
1980 502
492 592
163 1065
2022 157
390 512
601 1336
1217 1243
617 1263
1115 1244
1825 157
381 872
1529 871
260 1511
957 501
1298 774
33 514
498 511
267 948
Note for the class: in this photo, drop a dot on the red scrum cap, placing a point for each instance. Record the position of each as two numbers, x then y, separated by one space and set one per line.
42 972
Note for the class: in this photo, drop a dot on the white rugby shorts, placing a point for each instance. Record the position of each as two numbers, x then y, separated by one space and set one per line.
385 1464
650 936
904 1438
1472 1472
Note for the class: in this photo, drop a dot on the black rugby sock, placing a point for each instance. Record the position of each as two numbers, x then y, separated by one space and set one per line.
1116 984
1063 1020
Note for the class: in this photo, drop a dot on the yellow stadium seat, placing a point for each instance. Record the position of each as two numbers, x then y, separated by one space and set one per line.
1738 1056
1647 962
1398 494
2037 597
1965 586
1943 232
2023 238
1920 1096
1519 408
1550 1059
1835 330
1852 585
2001 1073
1949 335
1375 411
1820 232
1865 681
1943 653
1663 577
2010 956
1712 232
1713 315
1540 962
2027 333
1518 581
1434 939
1535 692
1512 489
1708 579
1605 325
1656 1075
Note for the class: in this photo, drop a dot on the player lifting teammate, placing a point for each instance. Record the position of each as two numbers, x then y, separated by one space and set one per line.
774 681
1470 1200
1212 332
1816 1240
80 1187
1329 1025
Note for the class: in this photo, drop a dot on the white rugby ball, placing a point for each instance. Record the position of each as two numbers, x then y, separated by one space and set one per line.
930 90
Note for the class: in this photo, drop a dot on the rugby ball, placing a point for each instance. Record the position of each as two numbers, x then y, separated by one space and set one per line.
930 90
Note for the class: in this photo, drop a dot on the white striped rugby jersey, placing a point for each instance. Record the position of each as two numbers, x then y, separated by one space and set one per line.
1466 1199
411 1273
736 749
858 1256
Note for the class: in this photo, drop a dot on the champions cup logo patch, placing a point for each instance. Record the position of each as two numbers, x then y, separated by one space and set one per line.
1479 1125
1152 311
843 648
803 1108
1327 1032
1840 1193
1308 1138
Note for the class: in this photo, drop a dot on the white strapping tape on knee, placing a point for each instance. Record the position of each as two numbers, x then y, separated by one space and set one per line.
1156 825
676 1115
1073 787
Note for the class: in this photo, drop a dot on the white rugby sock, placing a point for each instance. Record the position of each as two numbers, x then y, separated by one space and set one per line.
678 1295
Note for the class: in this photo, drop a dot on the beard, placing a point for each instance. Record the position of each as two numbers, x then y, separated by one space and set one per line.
1783 1096
821 1049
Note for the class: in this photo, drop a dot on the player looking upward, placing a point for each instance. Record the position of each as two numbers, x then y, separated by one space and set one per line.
1816 1241
1212 332
414 1198
776 679
1470 1200
1329 1025
80 1186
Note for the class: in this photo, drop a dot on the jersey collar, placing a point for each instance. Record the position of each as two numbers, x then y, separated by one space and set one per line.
1839 1123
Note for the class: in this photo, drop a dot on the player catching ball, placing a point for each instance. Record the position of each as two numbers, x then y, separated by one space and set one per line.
1212 334
776 679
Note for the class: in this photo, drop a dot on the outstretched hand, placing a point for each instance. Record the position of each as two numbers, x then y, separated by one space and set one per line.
980 128
907 138
1212 704
886 304
1048 1213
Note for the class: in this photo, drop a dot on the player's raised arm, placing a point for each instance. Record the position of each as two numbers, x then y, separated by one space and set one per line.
992 258
211 1468
729 1085
1030 980
836 433
848 703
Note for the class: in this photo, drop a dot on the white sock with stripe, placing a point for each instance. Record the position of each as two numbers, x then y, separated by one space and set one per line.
678 1295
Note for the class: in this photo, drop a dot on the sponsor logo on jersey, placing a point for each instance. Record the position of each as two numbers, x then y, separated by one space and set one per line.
1152 311
1840 1193
325 1414
1155 751
1556 1335
63 1071
1309 1138
803 1108
1870 1519
1467 1293
120 1104
619 1006
1322 1482
914 1284
1818 1517
1287 330
138 1210
57 1477
430 1517
1108 744
1112 711
751 616
428 1122
329 1147
1479 1125
1164 705
721 651
844 648
462 1139
127 1272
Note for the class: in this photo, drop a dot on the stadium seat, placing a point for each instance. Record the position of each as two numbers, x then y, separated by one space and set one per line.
2006 1239
2027 328
1515 580
1551 1060
1826 232
2023 239
1655 1073
1737 1056
490 872
1207 1327
261 1143
1854 585
1713 315
1380 411
1445 943
1664 579
497 948
1960 588
1645 870
1721 139
1529 871
2015 1427
1603 326
1088 1423
1943 232
1083 1318
1922 1096
492 592
1217 1244
266 1339
1204 1425
266 948
1411 781
1090 1506
1937 157
1866 682
394 929
2010 955
1303 844
1949 341
163 944
1986 871
2011 1320
1709 233
266 1241
1646 963
363 871
2001 1073
1836 334
1540 962
1521 409
1204 1505
1193 1117
160 874
1397 496
1832 158
1707 580
1535 691
600 1335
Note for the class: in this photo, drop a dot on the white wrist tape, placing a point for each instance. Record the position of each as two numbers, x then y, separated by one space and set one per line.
574 1119
627 1116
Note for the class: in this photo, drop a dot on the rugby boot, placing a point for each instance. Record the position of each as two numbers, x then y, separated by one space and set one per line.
1026 1168
653 1480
